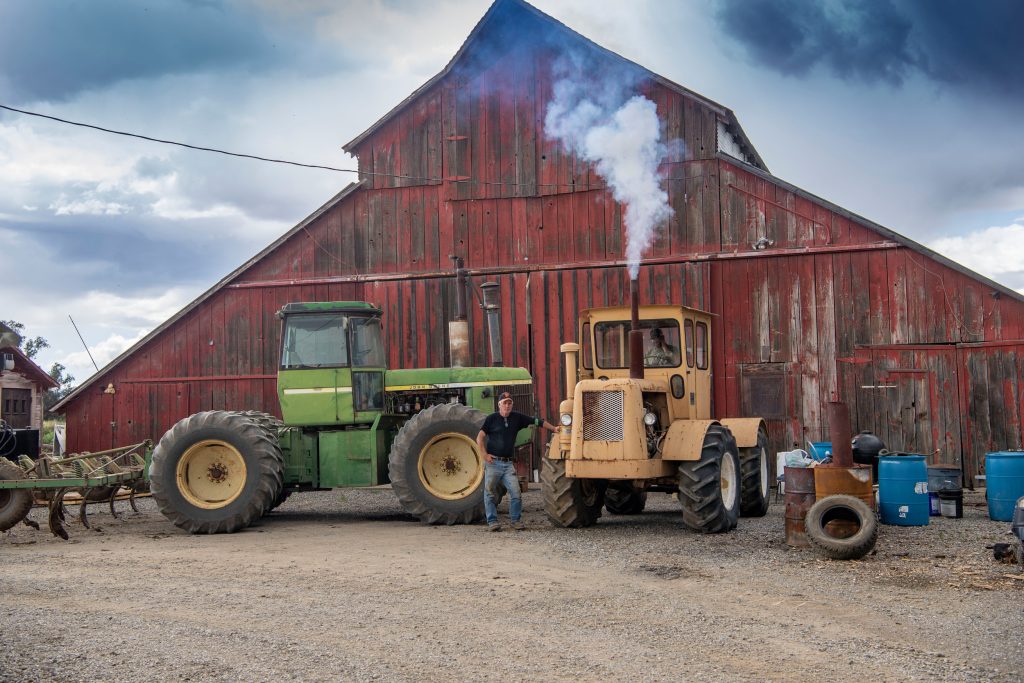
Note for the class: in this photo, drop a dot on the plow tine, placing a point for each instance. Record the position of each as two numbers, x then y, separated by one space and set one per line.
83 515
112 495
131 497
31 523
56 514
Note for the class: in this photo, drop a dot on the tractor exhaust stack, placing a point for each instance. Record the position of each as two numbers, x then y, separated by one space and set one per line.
636 335
458 329
492 309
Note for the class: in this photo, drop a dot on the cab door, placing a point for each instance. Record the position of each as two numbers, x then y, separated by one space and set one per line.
366 341
697 333
314 382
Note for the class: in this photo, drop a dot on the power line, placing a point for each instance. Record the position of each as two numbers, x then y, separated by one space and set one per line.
466 181
178 144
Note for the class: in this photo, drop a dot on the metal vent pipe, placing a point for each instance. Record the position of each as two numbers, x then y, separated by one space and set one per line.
636 335
458 329
492 309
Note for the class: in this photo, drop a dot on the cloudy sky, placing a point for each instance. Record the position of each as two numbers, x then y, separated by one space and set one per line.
904 111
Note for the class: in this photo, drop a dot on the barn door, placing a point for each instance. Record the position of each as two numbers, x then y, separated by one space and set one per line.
908 396
908 413
17 408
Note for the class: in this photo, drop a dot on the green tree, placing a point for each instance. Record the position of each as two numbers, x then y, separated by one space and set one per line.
65 385
30 346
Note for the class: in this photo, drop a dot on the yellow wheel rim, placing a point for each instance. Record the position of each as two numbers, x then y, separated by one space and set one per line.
211 474
450 467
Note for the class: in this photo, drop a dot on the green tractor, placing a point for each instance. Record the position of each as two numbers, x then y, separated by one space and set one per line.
348 421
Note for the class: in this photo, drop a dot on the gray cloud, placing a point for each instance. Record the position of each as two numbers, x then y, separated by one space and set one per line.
128 253
52 51
975 46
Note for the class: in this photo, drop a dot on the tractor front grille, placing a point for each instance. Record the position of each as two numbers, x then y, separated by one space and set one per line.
522 396
602 415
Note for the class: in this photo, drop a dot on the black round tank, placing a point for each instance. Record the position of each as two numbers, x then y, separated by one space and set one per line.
866 447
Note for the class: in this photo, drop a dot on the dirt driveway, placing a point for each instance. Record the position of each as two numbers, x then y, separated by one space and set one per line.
342 586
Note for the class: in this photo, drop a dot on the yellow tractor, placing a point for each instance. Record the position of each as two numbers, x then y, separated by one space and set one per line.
639 419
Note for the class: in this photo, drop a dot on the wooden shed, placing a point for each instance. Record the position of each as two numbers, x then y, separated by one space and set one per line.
22 387
812 301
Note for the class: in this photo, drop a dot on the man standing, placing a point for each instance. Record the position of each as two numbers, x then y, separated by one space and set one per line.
497 442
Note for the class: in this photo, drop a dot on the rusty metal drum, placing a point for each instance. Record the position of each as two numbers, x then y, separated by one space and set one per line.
799 499
845 481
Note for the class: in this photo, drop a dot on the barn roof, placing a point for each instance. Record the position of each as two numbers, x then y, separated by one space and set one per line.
26 366
503 13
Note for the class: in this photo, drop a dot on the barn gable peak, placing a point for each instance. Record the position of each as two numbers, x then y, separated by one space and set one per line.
508 24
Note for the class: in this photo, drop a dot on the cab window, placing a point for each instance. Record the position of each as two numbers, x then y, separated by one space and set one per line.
585 349
314 341
688 327
702 346
367 342
661 343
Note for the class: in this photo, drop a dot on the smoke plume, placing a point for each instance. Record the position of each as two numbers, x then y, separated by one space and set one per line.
606 124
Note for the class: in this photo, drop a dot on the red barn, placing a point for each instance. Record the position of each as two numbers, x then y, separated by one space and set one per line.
811 299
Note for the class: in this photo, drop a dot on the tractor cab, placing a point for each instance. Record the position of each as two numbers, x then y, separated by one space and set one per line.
332 363
676 352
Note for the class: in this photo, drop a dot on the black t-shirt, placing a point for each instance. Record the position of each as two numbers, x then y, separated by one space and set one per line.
501 431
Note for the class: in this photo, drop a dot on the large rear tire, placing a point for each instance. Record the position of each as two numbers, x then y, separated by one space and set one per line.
754 484
216 472
15 504
436 469
709 488
625 501
570 503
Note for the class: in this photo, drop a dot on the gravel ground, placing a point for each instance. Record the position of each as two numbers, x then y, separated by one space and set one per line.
343 586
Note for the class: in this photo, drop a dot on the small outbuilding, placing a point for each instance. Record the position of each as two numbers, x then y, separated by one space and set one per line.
23 384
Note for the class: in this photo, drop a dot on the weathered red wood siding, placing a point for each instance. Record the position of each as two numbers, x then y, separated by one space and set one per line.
822 310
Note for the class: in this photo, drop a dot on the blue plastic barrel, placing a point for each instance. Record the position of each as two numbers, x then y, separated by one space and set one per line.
903 490
1004 483
819 450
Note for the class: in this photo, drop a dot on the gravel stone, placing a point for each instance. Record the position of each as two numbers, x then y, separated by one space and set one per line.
343 585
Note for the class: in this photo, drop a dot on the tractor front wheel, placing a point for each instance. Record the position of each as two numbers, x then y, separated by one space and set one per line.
625 501
754 489
15 504
216 472
436 469
570 503
709 488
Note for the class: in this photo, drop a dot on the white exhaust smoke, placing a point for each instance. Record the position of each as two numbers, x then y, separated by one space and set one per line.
620 134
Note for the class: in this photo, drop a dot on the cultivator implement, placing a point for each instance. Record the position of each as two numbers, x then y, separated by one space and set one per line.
95 477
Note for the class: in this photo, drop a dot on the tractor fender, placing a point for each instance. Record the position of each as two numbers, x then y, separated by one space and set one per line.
685 439
744 429
554 452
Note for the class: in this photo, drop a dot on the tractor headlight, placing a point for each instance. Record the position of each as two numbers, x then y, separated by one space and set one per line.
650 419
566 419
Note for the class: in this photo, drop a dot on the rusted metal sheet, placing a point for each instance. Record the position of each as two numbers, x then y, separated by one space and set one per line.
847 481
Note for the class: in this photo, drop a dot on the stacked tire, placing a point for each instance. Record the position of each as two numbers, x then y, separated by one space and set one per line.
217 472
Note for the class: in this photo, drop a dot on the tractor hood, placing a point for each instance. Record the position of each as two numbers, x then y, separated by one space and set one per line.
442 378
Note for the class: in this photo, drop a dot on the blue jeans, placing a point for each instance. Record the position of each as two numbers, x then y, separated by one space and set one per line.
504 472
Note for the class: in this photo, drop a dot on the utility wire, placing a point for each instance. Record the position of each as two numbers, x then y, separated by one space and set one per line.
180 144
466 181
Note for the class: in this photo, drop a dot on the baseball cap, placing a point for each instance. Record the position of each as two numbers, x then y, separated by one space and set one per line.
504 396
